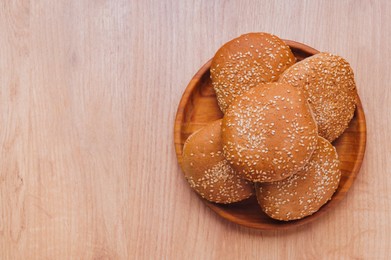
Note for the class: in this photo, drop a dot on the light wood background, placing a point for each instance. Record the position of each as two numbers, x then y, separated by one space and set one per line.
88 95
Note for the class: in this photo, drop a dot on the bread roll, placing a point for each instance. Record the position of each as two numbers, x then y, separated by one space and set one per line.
332 93
303 193
246 61
207 171
269 132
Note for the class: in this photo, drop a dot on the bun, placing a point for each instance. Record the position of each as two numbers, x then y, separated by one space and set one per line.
303 193
329 82
269 132
208 172
246 61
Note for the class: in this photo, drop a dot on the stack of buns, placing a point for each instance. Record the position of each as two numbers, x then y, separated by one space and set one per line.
280 117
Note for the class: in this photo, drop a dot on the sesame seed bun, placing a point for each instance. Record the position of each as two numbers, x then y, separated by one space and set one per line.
332 93
303 193
246 61
208 172
269 132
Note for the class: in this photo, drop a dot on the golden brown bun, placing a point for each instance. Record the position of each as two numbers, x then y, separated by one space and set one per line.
303 193
246 61
332 93
207 170
269 132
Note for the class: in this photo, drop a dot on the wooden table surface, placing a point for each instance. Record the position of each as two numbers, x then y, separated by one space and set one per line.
88 95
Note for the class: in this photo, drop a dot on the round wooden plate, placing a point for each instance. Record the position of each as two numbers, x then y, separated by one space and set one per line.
198 106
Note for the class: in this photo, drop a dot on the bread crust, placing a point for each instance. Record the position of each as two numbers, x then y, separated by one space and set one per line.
269 132
246 61
208 172
329 82
303 193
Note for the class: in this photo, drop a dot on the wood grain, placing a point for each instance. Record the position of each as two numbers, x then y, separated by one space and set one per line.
198 107
88 96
